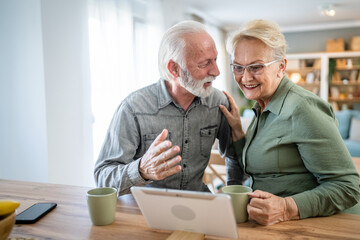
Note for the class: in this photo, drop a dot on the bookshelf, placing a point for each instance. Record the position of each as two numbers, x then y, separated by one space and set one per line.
341 88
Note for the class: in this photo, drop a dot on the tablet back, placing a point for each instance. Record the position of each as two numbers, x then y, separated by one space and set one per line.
191 211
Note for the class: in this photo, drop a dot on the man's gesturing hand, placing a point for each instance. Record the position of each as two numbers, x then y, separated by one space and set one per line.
156 163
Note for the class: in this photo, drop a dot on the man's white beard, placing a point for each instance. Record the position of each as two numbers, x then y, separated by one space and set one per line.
196 87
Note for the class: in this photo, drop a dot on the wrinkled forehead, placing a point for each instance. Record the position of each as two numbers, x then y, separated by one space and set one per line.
251 50
199 44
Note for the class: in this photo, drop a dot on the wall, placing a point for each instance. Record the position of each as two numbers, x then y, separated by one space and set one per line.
174 11
23 145
67 74
45 128
315 41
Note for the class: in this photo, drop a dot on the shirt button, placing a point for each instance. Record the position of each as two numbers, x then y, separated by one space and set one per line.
186 141
184 165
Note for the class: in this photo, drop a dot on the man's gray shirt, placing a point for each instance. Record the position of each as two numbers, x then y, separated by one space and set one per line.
141 117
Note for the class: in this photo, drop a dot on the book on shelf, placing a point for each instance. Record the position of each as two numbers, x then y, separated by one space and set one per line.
341 63
310 77
353 75
336 78
335 93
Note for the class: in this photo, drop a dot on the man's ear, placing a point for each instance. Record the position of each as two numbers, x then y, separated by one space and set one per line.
174 69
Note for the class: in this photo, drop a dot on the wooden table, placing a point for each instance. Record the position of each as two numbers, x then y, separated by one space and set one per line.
70 219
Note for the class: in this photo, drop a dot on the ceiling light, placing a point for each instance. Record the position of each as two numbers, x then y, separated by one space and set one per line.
328 10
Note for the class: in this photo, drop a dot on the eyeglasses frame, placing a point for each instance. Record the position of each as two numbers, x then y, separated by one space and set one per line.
253 64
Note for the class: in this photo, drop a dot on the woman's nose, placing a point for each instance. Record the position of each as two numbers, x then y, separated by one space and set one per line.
247 75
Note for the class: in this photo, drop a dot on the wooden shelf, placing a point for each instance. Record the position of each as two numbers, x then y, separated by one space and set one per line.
315 55
304 84
351 100
345 84
347 68
346 54
304 69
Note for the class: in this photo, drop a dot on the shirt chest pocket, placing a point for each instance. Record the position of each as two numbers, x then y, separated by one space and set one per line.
150 137
207 138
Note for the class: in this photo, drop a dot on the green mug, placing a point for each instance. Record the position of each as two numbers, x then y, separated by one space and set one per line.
102 205
240 199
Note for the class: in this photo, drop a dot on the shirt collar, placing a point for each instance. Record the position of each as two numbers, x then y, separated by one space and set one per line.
277 100
203 101
165 98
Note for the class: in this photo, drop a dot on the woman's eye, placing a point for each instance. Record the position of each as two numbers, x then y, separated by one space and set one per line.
256 68
239 68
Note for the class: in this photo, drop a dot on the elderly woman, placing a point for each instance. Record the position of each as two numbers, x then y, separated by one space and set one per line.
298 164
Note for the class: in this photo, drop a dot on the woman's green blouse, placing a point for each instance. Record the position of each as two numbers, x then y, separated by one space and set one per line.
293 148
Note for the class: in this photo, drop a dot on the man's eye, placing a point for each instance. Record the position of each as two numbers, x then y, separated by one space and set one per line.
204 64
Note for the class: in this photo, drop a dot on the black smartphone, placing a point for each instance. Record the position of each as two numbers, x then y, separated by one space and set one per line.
34 213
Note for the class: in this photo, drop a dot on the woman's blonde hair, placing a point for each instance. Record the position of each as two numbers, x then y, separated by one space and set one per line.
263 30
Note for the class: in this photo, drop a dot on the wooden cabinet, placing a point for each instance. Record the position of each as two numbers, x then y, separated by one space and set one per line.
344 83
305 72
335 77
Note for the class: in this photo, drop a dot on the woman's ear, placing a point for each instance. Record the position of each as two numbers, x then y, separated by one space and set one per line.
282 67
174 69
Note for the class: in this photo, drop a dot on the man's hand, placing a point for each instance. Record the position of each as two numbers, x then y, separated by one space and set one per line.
156 163
267 209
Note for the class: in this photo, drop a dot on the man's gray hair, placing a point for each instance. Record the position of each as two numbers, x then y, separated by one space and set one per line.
173 44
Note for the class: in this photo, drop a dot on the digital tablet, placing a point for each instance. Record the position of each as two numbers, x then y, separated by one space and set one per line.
191 211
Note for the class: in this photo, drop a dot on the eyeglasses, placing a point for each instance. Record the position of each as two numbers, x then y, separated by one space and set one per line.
253 69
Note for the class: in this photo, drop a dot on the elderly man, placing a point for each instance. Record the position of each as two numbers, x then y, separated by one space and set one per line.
161 135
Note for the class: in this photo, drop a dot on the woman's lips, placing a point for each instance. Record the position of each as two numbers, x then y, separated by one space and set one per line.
248 86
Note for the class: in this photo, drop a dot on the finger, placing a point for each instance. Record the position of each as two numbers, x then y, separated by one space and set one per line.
165 155
170 171
260 194
224 110
167 164
231 100
254 212
165 169
161 148
257 215
174 161
232 117
257 203
160 138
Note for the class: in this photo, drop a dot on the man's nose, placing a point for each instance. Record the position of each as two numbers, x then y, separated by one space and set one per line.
214 71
